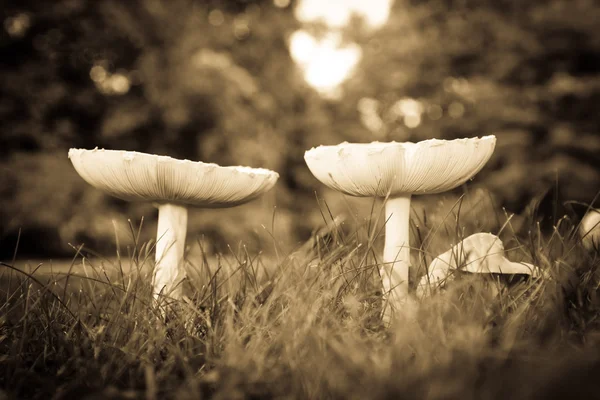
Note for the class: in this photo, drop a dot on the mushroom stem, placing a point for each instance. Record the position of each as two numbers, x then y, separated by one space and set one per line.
170 246
396 255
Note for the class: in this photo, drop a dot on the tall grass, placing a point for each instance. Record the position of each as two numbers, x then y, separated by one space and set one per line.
306 325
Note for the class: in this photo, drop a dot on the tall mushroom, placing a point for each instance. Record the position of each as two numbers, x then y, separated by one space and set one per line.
172 185
396 171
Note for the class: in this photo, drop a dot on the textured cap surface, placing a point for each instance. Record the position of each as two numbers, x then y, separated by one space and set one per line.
137 176
376 169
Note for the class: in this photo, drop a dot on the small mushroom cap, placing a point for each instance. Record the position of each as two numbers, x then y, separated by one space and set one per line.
135 176
480 253
589 229
379 169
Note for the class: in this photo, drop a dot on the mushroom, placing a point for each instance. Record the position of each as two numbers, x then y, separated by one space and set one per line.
395 172
589 229
172 185
480 253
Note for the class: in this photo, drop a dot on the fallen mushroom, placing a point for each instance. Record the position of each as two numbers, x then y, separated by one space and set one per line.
172 185
589 229
395 172
481 253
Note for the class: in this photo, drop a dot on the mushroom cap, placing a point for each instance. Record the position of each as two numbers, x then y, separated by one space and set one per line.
480 253
589 228
379 169
134 176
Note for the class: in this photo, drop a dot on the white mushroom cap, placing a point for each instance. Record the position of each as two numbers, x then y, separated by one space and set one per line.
135 176
480 253
376 169
589 228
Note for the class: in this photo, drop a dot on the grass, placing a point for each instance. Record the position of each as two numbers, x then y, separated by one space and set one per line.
306 325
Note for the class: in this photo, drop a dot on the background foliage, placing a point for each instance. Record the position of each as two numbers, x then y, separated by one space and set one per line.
214 81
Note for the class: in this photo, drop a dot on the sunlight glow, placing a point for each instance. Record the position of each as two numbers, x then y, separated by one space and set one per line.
110 84
216 17
327 63
18 25
368 109
410 110
337 13
281 3
456 110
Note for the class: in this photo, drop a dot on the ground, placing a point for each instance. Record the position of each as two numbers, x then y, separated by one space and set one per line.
302 325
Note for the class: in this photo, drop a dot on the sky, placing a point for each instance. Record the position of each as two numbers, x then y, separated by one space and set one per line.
325 62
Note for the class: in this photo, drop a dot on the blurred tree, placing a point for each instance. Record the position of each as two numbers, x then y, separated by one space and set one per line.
528 72
213 81
204 80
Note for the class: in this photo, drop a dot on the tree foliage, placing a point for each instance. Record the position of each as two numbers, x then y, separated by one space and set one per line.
210 81
528 72
214 81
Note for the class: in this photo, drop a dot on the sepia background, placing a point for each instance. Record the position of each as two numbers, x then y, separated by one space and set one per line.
257 83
